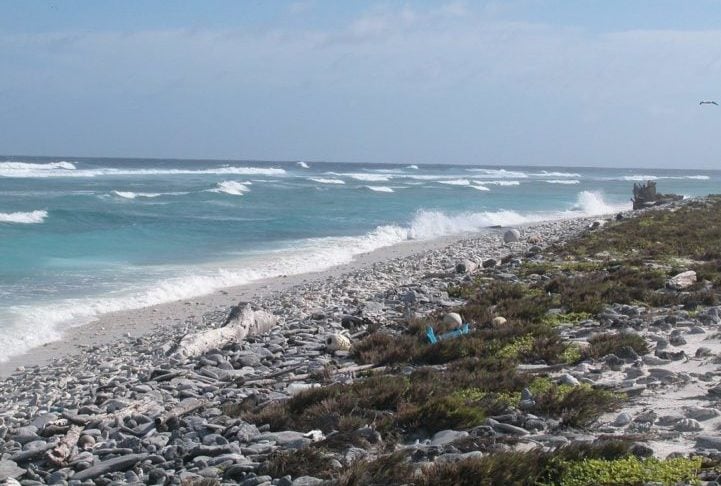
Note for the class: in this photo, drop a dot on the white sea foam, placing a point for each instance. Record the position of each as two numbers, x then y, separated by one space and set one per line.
456 182
480 188
233 188
359 176
412 166
302 165
380 188
322 180
149 195
643 177
67 169
31 217
499 183
544 173
133 195
500 173
307 255
563 181
22 166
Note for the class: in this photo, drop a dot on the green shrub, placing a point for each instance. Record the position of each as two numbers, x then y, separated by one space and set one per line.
630 471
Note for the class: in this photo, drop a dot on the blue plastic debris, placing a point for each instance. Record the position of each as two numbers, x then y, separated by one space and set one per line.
433 339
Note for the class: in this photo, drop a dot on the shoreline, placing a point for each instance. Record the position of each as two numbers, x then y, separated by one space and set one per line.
112 326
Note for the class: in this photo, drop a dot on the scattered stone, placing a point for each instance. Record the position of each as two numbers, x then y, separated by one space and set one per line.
337 342
511 236
453 319
682 281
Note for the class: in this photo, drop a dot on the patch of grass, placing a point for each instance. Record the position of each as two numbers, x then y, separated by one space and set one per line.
388 470
307 461
572 354
514 301
692 231
565 318
383 348
611 343
519 346
631 471
576 406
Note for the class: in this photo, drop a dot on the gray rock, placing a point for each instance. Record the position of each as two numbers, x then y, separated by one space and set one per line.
622 419
447 436
466 266
688 425
511 236
708 442
9 469
489 263
682 281
701 413
568 379
306 481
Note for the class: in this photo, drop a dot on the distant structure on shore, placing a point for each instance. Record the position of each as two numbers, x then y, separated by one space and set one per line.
707 103
645 196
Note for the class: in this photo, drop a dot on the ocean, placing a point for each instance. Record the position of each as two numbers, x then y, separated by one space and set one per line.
80 237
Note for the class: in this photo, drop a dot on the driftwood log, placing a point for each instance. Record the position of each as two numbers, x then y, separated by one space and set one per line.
140 407
246 323
111 465
170 419
62 452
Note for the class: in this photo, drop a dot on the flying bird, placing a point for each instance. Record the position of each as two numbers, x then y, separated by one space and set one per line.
707 103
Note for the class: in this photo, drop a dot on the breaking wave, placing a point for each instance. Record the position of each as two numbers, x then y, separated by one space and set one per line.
456 182
563 181
302 165
379 188
642 177
233 188
31 217
500 173
322 180
68 169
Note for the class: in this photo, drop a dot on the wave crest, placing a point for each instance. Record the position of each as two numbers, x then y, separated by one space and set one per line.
234 188
32 217
380 188
322 180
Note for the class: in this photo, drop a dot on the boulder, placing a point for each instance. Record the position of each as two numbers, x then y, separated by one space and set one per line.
498 321
466 266
453 319
10 470
645 196
447 436
535 239
337 342
683 280
490 263
511 236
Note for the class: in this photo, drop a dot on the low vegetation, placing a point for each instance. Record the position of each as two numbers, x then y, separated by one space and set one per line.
459 383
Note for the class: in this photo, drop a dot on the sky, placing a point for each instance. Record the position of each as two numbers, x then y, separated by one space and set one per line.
611 83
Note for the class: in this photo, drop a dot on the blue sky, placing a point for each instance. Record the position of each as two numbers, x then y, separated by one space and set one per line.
598 83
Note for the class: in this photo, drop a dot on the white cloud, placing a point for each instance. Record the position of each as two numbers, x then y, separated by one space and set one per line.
407 57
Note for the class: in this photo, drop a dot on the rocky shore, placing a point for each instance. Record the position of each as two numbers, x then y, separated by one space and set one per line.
346 389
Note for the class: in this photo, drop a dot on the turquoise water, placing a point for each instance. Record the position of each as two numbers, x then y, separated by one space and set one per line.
79 237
